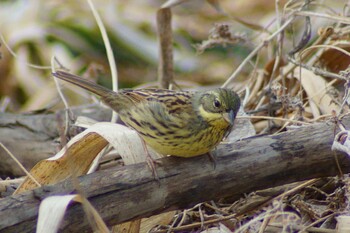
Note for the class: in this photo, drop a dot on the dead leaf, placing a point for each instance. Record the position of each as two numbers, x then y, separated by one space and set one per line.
315 87
52 210
74 161
334 60
81 151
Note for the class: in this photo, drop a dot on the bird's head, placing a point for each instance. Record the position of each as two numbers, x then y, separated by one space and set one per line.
219 106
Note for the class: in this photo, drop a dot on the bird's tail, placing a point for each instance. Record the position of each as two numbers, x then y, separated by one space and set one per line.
85 84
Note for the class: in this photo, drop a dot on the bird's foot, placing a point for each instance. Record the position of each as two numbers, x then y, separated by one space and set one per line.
151 162
212 158
152 165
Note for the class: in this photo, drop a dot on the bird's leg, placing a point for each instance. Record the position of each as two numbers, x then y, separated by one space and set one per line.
150 161
212 158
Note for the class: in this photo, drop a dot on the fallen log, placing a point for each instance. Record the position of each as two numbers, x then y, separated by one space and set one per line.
130 192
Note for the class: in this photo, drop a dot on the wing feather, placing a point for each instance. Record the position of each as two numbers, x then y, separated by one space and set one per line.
172 102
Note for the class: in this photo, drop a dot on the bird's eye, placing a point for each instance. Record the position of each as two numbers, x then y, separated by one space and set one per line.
217 103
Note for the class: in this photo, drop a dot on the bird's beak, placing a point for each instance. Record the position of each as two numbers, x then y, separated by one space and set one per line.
229 116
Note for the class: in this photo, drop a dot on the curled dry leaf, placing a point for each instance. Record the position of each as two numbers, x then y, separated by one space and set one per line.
334 60
342 142
316 88
81 151
52 210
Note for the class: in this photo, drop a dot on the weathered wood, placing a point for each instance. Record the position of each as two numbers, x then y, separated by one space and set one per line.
121 194
30 137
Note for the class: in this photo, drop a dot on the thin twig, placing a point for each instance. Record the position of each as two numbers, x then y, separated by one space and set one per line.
316 70
274 118
256 50
339 19
299 228
267 214
198 224
20 165
65 102
109 51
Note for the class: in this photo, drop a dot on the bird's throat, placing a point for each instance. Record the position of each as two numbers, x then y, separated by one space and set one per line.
213 118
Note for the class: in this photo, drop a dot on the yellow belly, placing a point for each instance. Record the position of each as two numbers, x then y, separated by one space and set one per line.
180 136
197 144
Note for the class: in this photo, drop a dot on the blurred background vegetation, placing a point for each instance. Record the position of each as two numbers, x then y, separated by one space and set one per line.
37 30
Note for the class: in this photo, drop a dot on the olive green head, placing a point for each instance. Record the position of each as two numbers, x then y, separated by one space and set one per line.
217 105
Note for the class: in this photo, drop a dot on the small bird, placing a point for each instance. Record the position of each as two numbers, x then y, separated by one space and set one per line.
177 123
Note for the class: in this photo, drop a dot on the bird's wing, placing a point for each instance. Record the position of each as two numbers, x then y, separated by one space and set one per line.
172 102
155 115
